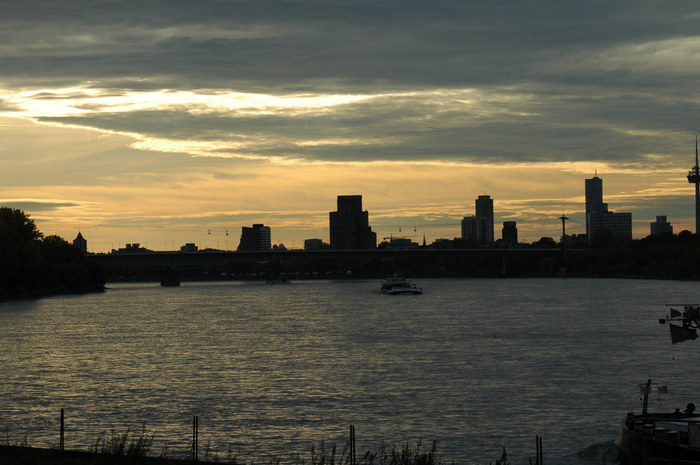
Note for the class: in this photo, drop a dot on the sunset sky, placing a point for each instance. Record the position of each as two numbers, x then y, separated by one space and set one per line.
168 121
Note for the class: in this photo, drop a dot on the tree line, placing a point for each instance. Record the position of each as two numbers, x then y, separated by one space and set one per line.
33 265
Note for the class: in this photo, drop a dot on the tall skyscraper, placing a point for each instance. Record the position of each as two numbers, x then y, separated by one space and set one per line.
694 178
594 199
479 227
598 218
349 225
484 219
255 238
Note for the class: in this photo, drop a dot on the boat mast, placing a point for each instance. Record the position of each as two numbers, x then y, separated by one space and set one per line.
645 403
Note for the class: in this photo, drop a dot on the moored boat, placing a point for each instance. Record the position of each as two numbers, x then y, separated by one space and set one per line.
670 438
665 438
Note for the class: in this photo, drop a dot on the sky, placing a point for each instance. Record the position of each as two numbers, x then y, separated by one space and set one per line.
167 122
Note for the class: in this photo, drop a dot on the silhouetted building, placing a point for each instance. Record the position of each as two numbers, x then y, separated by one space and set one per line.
255 238
660 226
509 233
313 244
469 228
402 243
132 248
599 218
189 247
80 243
349 225
479 228
575 240
619 224
594 198
484 219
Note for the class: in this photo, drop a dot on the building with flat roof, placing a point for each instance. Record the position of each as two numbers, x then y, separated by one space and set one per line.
660 226
594 198
484 219
349 225
313 244
509 233
479 227
619 224
599 218
256 238
469 228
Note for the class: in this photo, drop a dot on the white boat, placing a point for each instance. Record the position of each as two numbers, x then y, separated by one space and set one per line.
396 285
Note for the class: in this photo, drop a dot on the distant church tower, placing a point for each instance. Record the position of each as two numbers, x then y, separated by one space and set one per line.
694 178
80 243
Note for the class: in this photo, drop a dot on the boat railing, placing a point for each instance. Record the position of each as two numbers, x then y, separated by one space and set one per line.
664 440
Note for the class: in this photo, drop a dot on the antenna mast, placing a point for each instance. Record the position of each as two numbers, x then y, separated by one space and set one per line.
694 178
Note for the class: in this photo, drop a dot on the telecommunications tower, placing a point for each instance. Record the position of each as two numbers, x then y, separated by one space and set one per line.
694 178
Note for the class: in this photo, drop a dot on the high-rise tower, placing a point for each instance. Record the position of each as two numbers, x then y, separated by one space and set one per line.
694 178
484 219
599 218
349 225
594 199
255 238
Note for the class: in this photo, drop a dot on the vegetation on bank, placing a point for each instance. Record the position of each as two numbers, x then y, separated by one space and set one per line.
667 256
33 265
126 449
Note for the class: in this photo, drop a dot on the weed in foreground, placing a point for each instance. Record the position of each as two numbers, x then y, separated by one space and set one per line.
402 456
119 443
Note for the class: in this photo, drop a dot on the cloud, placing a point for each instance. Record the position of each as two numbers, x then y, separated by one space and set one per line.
37 205
296 44
196 111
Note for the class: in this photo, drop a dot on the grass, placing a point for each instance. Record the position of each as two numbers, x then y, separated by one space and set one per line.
133 448
116 443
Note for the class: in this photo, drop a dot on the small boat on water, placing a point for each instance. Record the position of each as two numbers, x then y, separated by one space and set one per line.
280 279
666 438
396 285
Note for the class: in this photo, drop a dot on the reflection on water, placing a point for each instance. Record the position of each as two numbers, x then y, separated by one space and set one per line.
474 364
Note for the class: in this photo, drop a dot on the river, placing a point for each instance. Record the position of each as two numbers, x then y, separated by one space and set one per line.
474 364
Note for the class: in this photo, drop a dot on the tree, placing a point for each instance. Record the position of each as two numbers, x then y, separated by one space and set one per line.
17 231
545 243
55 249
31 265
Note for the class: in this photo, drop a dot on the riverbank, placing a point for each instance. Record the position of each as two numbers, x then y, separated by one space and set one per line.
19 455
668 257
407 455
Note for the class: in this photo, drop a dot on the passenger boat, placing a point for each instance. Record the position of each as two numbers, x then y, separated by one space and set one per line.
670 438
396 285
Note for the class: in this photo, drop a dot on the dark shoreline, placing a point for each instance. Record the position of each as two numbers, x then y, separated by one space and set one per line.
635 260
21 455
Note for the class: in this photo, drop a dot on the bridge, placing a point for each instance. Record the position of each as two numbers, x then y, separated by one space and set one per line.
376 263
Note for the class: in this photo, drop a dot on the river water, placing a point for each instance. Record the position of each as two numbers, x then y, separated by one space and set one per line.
474 364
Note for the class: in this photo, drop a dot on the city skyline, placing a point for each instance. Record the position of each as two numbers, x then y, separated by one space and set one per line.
166 124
